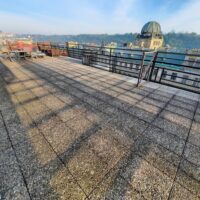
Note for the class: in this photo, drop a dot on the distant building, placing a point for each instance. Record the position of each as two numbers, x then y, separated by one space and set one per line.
151 36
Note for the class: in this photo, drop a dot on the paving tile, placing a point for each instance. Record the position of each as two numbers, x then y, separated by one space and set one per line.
115 187
80 124
109 145
96 116
39 91
7 157
142 114
185 100
181 193
47 123
188 175
18 192
192 153
65 186
129 125
169 141
197 118
24 117
61 138
4 141
171 127
158 156
1 122
183 105
17 133
147 180
72 111
194 136
25 96
52 102
159 97
87 168
118 103
10 176
176 118
148 107
181 111
34 154
154 102
42 184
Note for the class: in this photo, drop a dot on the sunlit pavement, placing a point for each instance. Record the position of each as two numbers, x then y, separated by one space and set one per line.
69 131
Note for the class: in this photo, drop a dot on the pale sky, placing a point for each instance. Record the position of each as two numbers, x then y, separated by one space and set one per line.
97 16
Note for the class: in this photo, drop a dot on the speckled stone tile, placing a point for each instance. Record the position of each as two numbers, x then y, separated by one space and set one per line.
80 124
167 140
129 125
146 179
44 184
61 138
181 111
176 118
152 109
17 192
171 127
24 117
47 123
1 122
10 176
65 186
7 157
192 153
157 155
180 193
72 111
52 102
4 141
25 96
17 133
183 105
194 136
186 100
154 102
34 154
109 145
188 175
197 118
115 187
87 168
142 114
158 97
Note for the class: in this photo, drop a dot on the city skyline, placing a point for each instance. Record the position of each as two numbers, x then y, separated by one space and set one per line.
97 17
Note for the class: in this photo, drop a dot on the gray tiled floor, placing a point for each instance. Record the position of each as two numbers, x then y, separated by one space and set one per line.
69 131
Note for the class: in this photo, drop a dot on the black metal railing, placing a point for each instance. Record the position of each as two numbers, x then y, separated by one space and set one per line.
180 70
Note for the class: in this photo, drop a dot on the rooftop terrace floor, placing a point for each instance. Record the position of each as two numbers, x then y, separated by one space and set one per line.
69 131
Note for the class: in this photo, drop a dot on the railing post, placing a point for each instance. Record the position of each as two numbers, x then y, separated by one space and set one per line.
110 60
67 48
141 69
153 66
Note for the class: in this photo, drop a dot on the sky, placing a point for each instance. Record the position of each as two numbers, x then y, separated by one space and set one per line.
97 16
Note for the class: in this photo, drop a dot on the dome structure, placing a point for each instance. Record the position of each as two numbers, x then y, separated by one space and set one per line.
151 27
151 36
